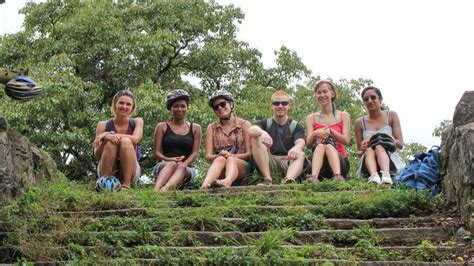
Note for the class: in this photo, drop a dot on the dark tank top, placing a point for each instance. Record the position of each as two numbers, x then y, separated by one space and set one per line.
174 145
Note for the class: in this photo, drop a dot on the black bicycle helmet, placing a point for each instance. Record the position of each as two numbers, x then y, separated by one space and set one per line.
175 95
23 88
220 94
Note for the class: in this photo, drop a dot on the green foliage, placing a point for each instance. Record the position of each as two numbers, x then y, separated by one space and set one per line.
365 250
82 52
410 150
425 251
443 125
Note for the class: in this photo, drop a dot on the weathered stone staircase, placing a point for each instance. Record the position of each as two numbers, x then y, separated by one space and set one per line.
339 222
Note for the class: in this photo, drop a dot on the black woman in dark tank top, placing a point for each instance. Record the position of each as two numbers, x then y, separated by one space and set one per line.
177 143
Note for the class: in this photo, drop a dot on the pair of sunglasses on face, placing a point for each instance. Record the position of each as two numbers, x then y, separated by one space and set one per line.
371 97
284 103
217 106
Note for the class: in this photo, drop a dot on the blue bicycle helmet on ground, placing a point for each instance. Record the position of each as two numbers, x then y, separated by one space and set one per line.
23 88
107 183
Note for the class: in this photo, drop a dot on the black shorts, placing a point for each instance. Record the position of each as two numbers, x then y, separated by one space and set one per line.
326 170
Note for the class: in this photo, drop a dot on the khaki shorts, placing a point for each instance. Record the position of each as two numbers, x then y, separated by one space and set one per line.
281 163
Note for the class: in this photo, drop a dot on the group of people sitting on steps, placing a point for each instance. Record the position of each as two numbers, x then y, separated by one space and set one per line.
234 147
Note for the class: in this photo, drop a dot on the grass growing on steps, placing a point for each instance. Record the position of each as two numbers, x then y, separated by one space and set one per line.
41 230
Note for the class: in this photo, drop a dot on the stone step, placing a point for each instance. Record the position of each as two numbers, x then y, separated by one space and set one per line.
298 261
102 213
340 238
130 224
330 223
450 256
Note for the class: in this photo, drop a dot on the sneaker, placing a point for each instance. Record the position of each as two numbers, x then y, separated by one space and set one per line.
312 179
288 181
386 178
375 178
265 183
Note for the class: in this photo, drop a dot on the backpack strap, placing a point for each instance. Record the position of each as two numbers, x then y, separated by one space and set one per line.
269 123
292 126
109 125
131 122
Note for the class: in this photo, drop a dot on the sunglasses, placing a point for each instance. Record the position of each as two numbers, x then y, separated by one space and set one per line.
372 97
284 103
221 104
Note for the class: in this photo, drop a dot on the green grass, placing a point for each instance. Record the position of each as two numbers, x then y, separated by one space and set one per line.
40 232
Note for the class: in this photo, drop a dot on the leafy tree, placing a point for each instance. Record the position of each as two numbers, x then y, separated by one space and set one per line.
82 52
443 125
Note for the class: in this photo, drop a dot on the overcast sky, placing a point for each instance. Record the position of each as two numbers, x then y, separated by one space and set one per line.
419 53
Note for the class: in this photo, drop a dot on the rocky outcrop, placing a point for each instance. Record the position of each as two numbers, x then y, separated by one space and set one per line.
458 159
21 164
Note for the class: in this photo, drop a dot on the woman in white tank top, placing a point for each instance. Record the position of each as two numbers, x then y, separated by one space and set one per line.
378 159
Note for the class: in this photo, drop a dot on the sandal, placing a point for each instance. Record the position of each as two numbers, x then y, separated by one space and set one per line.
216 185
338 177
124 187
265 183
312 179
289 181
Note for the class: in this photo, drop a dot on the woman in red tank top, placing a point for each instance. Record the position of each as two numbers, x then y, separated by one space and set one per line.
328 131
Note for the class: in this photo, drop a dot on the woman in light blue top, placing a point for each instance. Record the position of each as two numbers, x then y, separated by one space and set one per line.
378 121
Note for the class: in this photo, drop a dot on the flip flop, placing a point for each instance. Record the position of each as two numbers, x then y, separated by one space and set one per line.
216 185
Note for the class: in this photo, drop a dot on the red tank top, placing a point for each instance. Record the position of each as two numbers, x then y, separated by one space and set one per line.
336 127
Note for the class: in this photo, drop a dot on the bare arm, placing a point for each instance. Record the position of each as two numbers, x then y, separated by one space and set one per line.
361 144
158 141
99 139
396 129
255 131
297 150
309 131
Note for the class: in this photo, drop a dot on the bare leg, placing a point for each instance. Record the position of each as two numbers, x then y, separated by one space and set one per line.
166 170
382 158
179 175
234 169
214 172
369 161
317 161
108 159
295 168
128 160
261 157
333 159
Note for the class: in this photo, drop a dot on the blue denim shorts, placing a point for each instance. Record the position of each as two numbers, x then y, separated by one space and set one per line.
193 170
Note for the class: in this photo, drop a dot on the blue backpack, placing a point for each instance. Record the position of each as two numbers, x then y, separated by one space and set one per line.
423 172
